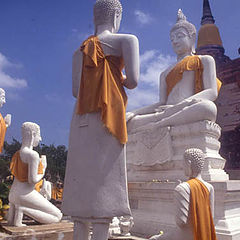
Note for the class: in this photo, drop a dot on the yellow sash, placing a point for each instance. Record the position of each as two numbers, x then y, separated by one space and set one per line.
19 169
190 63
200 211
3 129
102 88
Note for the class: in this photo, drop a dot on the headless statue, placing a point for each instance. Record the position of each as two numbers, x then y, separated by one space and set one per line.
28 169
187 89
4 122
95 187
194 203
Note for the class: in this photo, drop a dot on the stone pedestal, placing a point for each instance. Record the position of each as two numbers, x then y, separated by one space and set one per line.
157 153
152 206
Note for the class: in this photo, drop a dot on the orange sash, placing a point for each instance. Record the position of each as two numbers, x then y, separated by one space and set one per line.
19 169
200 211
190 63
3 129
102 88
57 193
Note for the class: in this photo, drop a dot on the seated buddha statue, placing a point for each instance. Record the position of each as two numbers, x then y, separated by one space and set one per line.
188 88
28 169
4 122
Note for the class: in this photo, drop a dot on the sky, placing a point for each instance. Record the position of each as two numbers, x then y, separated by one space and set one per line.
38 38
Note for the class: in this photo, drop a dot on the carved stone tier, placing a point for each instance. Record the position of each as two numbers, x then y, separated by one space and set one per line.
157 153
153 208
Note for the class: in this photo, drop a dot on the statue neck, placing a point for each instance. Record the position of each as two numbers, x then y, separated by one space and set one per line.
100 29
182 56
198 176
27 143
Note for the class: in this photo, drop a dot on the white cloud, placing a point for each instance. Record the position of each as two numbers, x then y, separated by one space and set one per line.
142 17
7 81
153 63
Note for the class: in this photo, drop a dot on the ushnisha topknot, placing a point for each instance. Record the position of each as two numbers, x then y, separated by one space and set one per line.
182 22
104 10
196 159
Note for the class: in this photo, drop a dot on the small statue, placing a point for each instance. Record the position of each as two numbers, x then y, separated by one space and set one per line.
28 169
95 187
4 122
195 200
194 203
126 224
188 89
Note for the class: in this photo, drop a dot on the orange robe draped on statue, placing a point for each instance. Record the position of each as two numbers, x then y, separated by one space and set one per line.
190 63
200 211
102 88
3 129
19 169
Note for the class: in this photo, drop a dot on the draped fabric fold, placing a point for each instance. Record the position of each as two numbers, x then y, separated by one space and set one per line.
19 169
200 211
3 129
101 88
190 63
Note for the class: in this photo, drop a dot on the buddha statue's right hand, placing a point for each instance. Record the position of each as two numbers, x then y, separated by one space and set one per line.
44 160
8 119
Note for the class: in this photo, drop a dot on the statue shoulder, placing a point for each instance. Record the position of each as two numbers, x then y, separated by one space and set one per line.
207 59
127 39
182 188
28 155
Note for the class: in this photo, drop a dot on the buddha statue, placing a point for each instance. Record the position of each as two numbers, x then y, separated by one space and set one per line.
28 169
187 88
194 201
95 187
4 122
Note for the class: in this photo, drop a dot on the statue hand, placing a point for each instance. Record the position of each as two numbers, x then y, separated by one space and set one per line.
8 119
44 161
129 116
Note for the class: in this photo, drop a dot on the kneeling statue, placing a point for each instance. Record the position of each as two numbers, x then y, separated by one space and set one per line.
28 169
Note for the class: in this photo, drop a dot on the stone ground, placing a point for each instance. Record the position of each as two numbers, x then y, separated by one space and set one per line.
56 231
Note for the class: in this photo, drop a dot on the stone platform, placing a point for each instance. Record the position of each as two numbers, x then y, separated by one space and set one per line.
152 205
56 231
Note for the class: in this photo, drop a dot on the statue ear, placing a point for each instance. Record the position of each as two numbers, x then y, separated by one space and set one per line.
115 18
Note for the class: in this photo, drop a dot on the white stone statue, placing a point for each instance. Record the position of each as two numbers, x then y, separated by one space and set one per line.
46 189
126 224
194 195
182 104
23 197
95 187
7 118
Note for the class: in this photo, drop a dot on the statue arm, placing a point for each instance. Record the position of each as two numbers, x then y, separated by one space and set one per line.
212 200
182 203
7 120
209 80
76 71
130 53
33 163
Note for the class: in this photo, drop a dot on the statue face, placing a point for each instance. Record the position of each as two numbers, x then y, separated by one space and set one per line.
37 139
2 99
181 42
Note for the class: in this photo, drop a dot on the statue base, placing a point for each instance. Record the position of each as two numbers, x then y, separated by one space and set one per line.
152 205
157 152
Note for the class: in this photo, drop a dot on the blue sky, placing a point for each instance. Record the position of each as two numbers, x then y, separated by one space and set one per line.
39 37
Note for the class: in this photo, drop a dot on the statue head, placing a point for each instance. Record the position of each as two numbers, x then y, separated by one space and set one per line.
2 97
183 35
31 134
194 161
108 12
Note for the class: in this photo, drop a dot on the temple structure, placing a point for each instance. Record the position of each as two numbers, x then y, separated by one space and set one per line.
228 71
